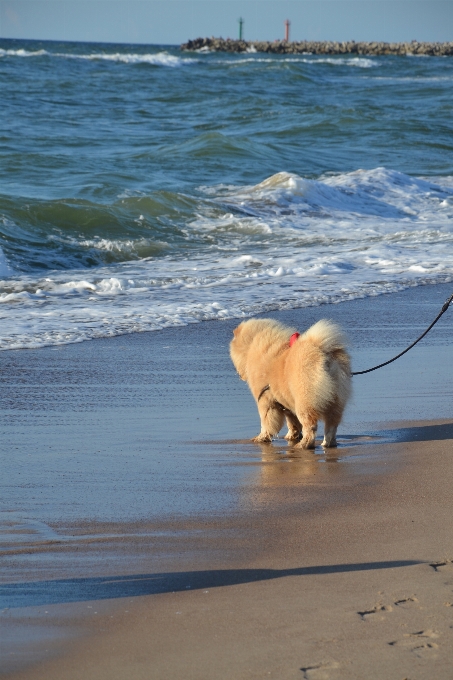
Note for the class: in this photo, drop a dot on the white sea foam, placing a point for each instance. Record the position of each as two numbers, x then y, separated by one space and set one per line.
358 62
22 53
123 246
282 243
158 59
166 59
155 59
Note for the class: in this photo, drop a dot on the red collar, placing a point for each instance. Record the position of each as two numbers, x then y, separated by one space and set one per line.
293 339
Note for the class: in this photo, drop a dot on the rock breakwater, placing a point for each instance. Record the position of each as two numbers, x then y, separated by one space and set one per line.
320 47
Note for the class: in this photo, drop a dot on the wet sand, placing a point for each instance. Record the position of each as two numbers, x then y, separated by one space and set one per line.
142 542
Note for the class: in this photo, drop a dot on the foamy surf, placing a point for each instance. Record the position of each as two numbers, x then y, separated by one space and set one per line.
22 53
164 58
154 59
159 59
357 62
285 242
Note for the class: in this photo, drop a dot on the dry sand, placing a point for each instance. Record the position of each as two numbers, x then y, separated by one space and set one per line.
336 565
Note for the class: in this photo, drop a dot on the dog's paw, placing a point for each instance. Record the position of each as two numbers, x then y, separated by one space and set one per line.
329 444
262 439
293 436
306 444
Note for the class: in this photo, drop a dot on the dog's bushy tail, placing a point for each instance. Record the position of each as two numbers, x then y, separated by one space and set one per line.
333 383
327 335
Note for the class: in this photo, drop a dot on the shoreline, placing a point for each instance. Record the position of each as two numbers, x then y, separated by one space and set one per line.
328 47
132 489
359 589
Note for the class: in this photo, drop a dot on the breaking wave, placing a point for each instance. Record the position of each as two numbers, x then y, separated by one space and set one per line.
149 262
154 59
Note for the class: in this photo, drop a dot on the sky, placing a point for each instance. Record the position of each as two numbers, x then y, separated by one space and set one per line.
171 22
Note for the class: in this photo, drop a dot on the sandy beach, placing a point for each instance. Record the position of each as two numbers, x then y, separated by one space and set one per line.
144 536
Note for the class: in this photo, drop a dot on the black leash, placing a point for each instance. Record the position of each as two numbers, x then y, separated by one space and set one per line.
442 311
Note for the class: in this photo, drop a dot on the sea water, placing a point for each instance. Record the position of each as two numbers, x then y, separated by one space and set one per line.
143 187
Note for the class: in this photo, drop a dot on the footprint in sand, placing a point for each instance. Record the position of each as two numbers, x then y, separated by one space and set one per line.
377 609
403 603
406 602
421 643
319 671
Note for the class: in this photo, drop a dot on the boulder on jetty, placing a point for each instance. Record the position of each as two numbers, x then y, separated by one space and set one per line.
319 47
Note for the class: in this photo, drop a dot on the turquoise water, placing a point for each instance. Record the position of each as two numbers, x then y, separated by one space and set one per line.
144 187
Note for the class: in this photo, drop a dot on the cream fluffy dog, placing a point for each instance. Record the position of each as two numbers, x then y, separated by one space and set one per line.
303 378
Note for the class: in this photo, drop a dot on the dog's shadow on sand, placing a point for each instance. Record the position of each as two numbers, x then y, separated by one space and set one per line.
419 433
39 593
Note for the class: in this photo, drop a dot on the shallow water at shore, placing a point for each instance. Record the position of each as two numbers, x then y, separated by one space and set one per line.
156 426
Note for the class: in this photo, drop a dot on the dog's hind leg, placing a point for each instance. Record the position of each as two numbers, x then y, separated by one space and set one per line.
271 421
294 427
330 430
309 426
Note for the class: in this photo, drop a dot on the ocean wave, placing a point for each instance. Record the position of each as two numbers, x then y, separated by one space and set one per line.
70 234
5 269
23 53
414 79
358 62
380 192
159 59
215 144
284 242
154 59
286 208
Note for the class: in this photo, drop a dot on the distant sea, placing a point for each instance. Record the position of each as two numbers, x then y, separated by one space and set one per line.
143 187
